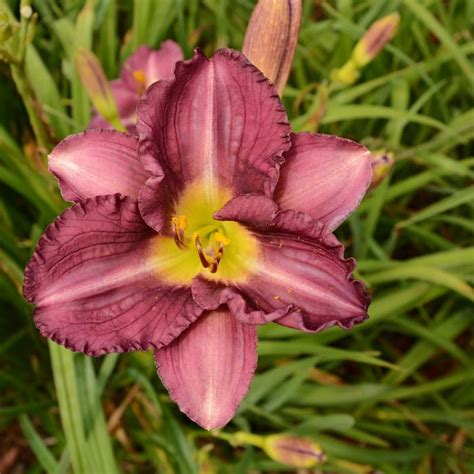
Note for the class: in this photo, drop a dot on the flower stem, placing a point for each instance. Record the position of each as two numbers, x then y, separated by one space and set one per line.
27 95
62 361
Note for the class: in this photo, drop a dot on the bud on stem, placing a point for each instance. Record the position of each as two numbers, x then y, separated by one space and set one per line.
271 38
367 48
382 163
97 87
293 450
287 449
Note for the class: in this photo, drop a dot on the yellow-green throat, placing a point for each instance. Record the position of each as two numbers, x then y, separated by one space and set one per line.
201 245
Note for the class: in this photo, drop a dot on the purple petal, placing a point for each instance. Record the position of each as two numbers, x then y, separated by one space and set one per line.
300 272
97 162
211 295
219 122
254 209
208 369
324 176
95 284
302 265
154 203
161 63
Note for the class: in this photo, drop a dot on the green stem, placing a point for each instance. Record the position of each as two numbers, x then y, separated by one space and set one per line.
27 95
62 361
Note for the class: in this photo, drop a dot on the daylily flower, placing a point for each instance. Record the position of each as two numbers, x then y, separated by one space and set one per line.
214 220
144 67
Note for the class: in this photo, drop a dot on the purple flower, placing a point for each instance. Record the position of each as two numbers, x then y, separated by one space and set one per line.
144 67
215 219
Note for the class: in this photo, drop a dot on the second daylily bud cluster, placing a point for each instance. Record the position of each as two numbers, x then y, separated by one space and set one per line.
367 48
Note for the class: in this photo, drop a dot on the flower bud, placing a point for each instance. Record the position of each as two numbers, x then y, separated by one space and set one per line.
382 164
271 38
293 450
97 87
375 39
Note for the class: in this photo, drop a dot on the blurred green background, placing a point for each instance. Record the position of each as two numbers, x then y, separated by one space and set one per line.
396 394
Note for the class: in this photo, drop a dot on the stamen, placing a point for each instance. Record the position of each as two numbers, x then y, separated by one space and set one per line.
217 260
222 239
139 76
179 225
197 241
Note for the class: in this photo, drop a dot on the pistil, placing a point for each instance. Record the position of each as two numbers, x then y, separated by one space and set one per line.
210 257
197 241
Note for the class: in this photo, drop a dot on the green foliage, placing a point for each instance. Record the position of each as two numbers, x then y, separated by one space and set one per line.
396 394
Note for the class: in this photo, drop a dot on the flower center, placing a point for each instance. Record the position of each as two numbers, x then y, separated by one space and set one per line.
140 79
203 246
210 241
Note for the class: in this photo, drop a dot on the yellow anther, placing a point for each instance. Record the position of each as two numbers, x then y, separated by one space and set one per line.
221 238
139 76
180 222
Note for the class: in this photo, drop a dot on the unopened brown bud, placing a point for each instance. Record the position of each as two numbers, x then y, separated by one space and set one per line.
293 450
375 39
271 38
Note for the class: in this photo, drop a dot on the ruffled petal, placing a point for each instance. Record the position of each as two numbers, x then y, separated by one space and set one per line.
154 203
97 162
324 176
95 281
302 265
299 277
161 63
208 369
211 295
219 123
255 210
